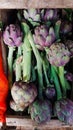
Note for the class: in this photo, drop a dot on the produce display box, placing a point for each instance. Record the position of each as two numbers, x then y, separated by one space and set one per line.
7 4
18 122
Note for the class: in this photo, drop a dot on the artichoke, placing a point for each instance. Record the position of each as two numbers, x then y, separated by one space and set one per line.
43 37
64 110
69 76
23 94
50 93
40 111
66 27
50 14
12 36
63 106
58 54
39 15
69 44
33 16
16 107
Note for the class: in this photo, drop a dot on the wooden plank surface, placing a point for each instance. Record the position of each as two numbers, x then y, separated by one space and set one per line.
28 124
13 4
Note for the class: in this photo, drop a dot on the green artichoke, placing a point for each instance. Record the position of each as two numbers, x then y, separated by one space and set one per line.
33 16
40 111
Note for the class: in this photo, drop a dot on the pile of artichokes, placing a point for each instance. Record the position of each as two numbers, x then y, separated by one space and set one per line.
40 49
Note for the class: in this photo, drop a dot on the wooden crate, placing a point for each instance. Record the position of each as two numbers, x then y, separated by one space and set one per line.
28 124
11 4
25 123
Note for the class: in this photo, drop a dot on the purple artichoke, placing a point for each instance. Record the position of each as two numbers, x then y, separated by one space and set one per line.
23 94
64 110
50 93
50 14
39 15
58 54
69 76
12 35
43 37
66 27
69 44
40 111
16 107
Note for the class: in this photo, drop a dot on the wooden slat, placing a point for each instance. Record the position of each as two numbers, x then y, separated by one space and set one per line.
13 4
28 124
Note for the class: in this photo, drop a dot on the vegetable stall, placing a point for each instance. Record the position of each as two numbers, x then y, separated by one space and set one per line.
37 56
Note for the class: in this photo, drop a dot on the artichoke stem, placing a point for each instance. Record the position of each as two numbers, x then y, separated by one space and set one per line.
62 80
18 71
18 65
66 82
39 64
56 82
19 51
40 79
26 60
57 29
45 73
10 62
26 54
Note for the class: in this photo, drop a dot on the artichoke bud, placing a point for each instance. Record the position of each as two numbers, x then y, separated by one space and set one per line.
43 37
58 54
69 44
23 93
33 14
64 110
69 76
66 27
40 111
50 14
12 35
50 93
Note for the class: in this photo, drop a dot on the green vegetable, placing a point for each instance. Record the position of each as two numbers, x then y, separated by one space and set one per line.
26 48
39 64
